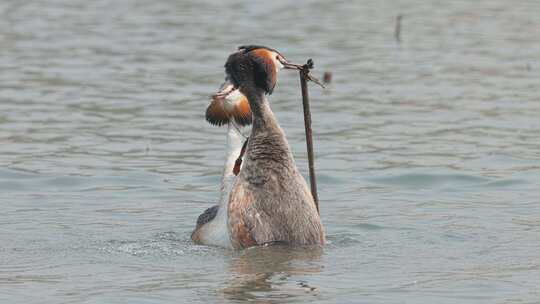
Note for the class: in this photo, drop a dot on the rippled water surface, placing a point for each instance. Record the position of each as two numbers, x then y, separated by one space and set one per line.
428 151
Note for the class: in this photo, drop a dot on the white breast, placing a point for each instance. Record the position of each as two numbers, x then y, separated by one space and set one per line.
216 232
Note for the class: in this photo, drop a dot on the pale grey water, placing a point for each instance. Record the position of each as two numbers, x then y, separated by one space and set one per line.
428 152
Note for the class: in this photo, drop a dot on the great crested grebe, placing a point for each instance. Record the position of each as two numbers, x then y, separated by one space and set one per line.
232 110
270 201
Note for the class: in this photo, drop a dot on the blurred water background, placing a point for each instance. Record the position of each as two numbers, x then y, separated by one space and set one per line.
428 151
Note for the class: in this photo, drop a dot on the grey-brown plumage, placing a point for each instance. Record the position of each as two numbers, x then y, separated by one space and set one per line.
270 201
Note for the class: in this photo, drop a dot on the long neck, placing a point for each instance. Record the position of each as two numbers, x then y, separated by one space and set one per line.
234 145
267 141
263 117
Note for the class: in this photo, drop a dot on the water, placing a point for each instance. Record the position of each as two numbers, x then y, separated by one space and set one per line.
428 151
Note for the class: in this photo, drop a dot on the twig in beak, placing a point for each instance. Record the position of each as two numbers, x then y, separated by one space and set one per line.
304 77
312 78
303 69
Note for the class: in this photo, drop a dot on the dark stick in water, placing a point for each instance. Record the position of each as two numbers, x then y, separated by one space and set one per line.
397 29
304 77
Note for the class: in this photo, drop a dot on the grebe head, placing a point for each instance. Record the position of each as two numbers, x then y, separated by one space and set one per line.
228 105
255 66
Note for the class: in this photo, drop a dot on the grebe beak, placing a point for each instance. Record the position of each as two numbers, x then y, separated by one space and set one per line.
226 89
288 65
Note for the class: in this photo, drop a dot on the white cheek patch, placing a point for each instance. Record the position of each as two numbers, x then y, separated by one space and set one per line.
231 100
277 63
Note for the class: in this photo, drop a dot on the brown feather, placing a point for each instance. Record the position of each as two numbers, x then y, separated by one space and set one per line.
242 112
265 73
215 113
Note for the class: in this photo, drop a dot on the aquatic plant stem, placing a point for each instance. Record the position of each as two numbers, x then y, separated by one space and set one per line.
304 76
